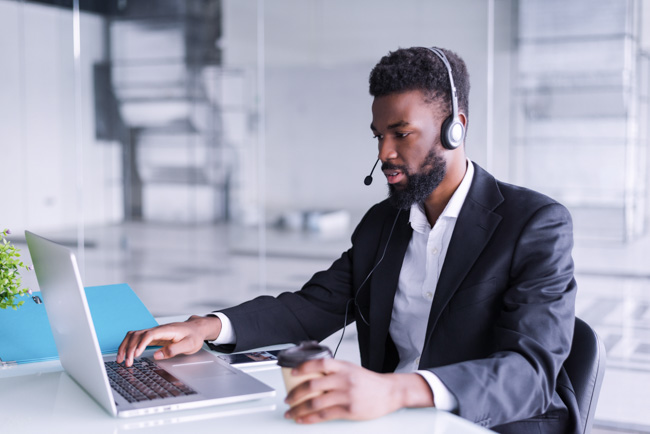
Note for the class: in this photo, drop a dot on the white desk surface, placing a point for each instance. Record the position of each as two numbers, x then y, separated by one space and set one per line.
40 397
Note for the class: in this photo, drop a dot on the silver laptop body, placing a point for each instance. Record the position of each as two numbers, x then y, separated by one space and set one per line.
213 380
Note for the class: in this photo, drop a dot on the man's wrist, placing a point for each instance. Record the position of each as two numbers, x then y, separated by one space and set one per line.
209 326
444 399
413 391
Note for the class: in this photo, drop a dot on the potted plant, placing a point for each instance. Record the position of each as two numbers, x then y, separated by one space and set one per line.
10 280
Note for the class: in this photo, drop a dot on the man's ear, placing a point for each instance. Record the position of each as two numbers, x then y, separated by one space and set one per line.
463 119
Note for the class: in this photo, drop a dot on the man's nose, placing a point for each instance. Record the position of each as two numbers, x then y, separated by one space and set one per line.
387 150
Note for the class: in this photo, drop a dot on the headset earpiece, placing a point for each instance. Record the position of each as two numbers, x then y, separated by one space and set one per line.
452 133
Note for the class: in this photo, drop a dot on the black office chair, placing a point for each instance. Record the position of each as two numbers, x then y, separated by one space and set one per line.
586 367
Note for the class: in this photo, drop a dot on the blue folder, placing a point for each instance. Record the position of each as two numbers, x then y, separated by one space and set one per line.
25 334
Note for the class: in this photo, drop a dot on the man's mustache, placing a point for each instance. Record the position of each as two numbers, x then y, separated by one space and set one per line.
391 166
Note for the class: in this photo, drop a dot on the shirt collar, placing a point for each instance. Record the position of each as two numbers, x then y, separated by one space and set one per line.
418 218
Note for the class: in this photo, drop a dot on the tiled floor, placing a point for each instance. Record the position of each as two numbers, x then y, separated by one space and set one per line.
195 269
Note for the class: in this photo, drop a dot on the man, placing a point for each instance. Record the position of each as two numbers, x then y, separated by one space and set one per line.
461 286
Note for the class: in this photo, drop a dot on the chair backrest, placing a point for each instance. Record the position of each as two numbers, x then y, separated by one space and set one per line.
586 368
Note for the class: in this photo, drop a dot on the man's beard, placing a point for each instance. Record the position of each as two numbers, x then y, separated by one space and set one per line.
418 185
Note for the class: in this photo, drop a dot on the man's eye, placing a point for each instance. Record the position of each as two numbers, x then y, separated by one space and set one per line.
401 135
378 136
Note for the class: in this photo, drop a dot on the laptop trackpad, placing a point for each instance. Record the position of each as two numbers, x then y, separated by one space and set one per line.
202 369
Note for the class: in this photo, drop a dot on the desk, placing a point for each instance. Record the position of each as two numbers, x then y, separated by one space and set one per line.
40 397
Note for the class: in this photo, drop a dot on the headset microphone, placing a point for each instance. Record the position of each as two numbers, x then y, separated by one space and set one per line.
368 179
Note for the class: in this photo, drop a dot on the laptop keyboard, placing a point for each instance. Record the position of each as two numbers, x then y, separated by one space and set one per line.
145 381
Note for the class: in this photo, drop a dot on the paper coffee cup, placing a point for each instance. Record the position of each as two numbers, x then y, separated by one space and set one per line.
294 357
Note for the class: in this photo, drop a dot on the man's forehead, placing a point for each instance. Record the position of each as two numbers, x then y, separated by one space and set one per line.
403 109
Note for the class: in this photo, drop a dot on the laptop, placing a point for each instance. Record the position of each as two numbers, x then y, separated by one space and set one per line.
182 382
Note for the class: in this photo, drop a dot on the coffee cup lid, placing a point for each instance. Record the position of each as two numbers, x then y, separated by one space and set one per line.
307 350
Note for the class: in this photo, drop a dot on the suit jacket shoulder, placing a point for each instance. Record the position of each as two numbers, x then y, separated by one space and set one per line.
505 198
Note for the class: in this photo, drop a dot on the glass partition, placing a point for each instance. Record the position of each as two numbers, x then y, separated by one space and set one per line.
209 151
190 146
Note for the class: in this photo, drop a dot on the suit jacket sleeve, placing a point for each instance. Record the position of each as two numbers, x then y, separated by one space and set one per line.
532 334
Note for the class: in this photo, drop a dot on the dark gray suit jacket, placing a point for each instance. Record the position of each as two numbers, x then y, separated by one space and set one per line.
501 321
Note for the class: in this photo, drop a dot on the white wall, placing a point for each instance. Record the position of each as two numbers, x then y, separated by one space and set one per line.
318 57
38 122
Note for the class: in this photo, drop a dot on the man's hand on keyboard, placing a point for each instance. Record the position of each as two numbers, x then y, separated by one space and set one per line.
175 338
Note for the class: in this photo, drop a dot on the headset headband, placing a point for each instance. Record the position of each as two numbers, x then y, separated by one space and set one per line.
454 97
453 130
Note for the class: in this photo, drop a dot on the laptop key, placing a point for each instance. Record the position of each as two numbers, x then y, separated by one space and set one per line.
145 381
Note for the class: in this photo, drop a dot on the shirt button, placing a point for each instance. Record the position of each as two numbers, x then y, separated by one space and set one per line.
417 361
429 295
434 250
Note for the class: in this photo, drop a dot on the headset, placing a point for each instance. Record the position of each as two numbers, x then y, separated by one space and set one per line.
452 131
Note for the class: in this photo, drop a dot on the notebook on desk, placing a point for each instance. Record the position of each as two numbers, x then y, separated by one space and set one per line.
27 337
150 386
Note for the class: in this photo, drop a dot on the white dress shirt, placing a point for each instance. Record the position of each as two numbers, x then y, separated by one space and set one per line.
418 279
417 283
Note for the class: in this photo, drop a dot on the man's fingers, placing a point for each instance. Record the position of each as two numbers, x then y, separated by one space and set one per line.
325 407
326 383
136 345
124 352
121 351
136 342
184 346
330 413
151 337
321 365
346 391
322 403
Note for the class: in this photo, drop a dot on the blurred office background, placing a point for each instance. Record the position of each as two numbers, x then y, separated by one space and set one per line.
208 151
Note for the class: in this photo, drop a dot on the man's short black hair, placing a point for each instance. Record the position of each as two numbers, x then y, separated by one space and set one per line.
418 68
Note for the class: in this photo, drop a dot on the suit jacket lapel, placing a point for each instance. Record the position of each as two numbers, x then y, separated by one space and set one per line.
474 228
384 285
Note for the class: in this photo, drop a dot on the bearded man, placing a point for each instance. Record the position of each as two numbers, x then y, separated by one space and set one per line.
461 286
